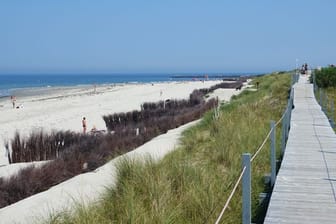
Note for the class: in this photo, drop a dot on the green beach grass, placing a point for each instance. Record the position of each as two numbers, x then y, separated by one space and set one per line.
328 101
325 93
192 184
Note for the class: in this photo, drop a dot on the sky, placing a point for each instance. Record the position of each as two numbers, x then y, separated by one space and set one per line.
175 36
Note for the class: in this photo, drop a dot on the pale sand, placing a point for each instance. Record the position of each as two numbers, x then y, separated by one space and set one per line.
87 187
63 109
53 111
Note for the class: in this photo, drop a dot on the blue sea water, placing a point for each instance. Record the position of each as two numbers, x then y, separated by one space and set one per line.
10 83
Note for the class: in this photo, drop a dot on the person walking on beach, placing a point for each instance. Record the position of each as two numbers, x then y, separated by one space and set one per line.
84 125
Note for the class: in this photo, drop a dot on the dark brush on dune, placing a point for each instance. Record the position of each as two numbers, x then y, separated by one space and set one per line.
72 153
41 146
152 110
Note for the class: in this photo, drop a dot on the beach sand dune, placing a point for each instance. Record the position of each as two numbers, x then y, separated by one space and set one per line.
64 108
64 111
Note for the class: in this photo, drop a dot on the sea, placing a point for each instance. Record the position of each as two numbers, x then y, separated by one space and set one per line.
9 84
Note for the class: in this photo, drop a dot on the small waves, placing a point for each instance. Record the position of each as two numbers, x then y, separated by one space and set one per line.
4 93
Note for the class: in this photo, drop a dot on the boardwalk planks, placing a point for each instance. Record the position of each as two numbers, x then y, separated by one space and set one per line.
305 188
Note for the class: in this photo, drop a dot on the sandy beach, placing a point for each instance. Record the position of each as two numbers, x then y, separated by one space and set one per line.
63 108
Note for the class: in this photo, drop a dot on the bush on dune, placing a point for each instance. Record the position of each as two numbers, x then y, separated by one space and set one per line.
326 77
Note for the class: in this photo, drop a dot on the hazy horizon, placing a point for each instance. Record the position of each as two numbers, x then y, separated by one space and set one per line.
135 73
164 37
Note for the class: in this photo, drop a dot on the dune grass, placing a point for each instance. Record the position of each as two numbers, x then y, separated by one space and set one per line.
192 184
75 153
326 97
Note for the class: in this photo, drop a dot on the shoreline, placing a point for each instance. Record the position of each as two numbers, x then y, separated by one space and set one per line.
64 108
62 196
26 92
38 81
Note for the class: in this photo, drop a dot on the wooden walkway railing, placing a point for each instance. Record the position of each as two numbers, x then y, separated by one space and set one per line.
305 187
245 174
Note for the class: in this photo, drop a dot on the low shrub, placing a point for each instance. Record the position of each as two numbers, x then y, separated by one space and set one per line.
326 77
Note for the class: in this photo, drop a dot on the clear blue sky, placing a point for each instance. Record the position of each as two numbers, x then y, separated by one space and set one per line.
107 36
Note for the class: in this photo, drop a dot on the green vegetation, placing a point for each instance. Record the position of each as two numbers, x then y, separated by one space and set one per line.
326 98
325 91
192 184
326 77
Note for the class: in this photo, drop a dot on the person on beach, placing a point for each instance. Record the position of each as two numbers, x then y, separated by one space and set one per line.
84 125
94 129
13 99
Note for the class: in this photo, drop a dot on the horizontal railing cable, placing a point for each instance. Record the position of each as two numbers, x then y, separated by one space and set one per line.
283 116
268 135
231 195
243 170
262 145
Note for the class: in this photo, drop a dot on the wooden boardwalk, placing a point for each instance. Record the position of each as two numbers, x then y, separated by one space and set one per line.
305 188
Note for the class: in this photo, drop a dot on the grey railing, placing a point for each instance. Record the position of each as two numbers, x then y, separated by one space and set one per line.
245 174
326 103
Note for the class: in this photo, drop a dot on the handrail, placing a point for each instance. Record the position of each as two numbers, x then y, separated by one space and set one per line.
253 157
231 195
243 170
268 135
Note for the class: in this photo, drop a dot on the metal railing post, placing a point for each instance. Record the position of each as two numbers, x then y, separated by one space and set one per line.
332 114
286 124
283 136
291 103
314 81
321 98
273 154
246 213
322 102
297 78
